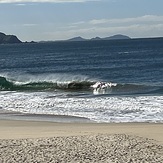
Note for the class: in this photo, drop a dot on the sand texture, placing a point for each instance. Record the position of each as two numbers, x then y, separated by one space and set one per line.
49 142
120 148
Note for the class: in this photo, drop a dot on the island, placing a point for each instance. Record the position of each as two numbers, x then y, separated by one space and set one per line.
8 39
114 37
12 39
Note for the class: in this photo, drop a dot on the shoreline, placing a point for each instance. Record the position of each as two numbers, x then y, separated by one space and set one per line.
40 125
22 129
10 115
47 141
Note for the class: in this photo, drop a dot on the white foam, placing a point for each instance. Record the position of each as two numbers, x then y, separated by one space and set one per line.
100 109
102 87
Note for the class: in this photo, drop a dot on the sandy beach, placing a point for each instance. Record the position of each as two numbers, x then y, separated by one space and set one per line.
38 141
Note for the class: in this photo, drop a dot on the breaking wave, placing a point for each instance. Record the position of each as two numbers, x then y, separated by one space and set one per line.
40 82
72 83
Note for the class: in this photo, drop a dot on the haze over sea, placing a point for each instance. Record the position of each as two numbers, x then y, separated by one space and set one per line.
57 77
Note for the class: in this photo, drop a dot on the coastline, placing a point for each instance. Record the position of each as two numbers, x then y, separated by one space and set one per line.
15 125
10 115
68 141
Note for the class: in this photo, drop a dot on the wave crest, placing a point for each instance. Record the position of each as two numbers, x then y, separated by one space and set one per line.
73 83
42 84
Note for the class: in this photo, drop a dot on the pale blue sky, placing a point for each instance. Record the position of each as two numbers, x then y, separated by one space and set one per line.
62 19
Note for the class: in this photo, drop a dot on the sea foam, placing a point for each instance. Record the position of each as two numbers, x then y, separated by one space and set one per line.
99 108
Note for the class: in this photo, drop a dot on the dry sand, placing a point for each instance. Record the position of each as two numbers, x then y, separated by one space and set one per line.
27 141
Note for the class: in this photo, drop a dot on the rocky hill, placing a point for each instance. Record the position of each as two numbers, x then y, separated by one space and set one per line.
8 39
115 37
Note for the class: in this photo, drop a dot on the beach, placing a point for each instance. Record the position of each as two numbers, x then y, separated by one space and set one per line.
45 141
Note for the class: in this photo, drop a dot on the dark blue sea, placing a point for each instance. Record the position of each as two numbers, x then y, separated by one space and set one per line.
103 81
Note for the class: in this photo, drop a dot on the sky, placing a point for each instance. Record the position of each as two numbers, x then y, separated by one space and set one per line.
50 20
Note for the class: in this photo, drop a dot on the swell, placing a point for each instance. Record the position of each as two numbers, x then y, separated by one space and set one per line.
76 85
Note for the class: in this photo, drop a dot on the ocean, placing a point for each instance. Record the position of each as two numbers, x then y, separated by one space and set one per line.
101 81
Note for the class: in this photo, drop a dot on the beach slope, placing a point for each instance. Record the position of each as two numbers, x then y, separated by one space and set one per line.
27 141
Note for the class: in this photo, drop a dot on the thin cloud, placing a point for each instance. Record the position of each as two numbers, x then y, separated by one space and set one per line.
143 26
78 23
44 1
145 18
21 4
29 25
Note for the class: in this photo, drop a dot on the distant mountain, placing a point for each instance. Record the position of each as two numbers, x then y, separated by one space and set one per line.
77 39
115 37
96 38
8 39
